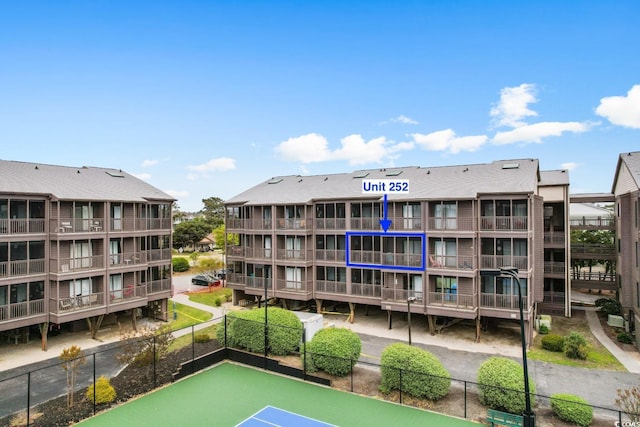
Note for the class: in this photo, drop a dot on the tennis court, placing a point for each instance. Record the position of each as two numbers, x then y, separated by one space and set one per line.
233 395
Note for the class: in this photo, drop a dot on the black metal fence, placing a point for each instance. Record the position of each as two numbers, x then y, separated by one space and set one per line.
139 365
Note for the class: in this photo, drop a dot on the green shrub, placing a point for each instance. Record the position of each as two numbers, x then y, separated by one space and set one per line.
501 383
553 342
413 370
179 264
104 391
575 346
625 338
333 350
217 302
571 408
543 329
609 306
245 329
201 338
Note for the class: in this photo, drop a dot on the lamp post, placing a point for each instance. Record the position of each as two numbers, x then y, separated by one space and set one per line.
266 336
529 416
409 301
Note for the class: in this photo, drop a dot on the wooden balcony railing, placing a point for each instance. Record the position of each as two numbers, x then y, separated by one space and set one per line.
330 255
21 309
66 265
497 261
331 287
506 223
80 302
21 225
501 301
554 267
451 224
452 262
294 254
452 300
158 286
22 267
366 290
302 286
330 223
401 295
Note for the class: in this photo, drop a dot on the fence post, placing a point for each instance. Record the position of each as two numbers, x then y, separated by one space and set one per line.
304 354
94 383
351 363
154 362
465 399
28 398
401 386
225 331
193 348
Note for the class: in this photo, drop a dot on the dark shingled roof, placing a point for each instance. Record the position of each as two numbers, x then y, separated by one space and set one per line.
442 183
75 183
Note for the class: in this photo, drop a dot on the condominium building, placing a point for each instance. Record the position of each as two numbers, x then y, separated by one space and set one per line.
626 189
319 239
78 244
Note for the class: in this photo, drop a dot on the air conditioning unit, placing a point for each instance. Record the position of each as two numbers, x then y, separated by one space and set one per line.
615 321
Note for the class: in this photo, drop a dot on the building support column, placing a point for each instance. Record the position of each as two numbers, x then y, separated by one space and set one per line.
432 324
318 305
44 333
389 319
478 328
94 324
352 312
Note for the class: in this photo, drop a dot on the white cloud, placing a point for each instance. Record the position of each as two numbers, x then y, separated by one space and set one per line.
569 166
143 176
513 105
622 110
221 164
537 131
177 193
446 140
353 148
306 148
149 163
400 119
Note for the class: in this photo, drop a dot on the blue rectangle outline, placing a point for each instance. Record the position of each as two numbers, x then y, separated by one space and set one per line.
423 236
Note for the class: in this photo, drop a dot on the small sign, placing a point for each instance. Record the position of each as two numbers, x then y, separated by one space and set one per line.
385 186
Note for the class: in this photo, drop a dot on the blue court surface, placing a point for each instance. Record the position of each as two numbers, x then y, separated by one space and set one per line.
270 416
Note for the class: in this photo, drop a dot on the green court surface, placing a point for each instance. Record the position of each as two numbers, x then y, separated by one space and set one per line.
228 394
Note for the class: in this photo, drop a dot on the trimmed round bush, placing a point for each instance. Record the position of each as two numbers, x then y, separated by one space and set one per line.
245 329
543 329
553 342
572 408
414 371
104 393
609 306
333 350
201 338
501 383
575 346
624 338
179 264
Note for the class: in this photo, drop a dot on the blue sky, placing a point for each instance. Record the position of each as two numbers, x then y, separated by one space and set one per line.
208 98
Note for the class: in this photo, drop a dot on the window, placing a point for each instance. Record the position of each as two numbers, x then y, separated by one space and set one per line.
115 286
445 215
294 278
115 251
116 217
79 287
293 247
80 255
411 216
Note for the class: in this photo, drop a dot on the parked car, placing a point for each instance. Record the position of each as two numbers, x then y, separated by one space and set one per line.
205 280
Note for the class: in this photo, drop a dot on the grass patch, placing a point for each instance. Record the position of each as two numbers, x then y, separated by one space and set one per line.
187 316
209 298
186 340
598 357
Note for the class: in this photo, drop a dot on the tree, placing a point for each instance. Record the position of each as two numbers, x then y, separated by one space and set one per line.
189 232
213 211
72 358
222 241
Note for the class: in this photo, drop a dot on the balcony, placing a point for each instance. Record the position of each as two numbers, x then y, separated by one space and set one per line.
451 224
330 223
501 301
158 286
71 304
294 254
498 261
21 225
292 224
554 239
452 262
159 255
304 287
68 265
400 295
258 253
504 223
593 223
330 255
452 300
127 258
365 224
366 290
22 267
77 225
21 310
554 267
128 293
331 287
